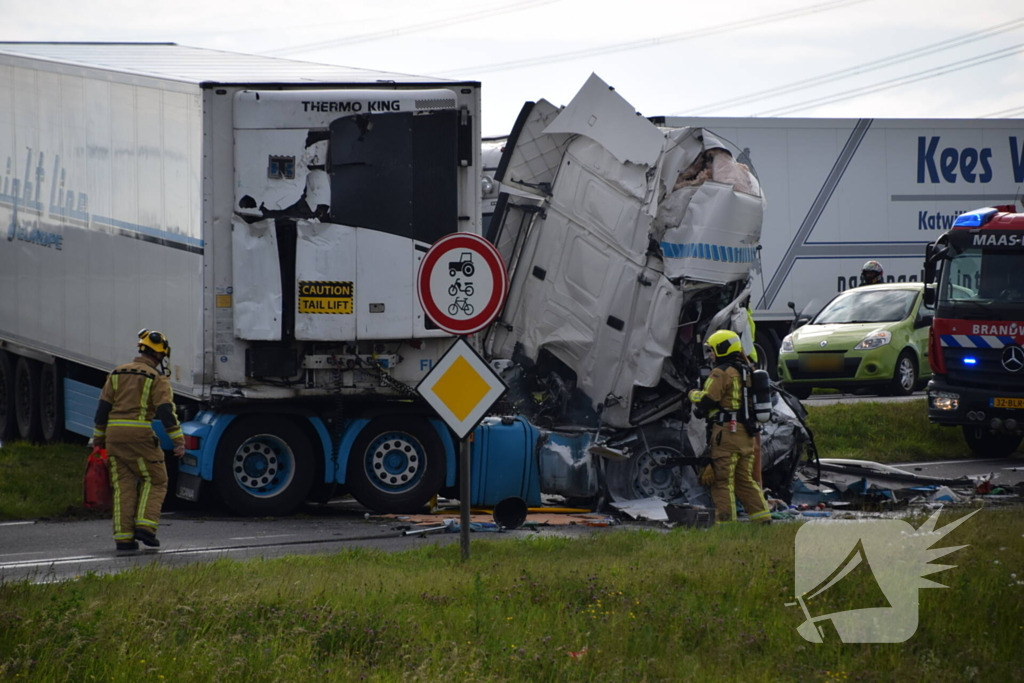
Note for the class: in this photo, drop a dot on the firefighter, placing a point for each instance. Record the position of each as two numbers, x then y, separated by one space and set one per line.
132 395
726 401
871 273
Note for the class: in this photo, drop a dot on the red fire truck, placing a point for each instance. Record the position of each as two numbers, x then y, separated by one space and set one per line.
975 276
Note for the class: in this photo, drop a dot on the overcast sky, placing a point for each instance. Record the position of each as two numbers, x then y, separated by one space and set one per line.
664 57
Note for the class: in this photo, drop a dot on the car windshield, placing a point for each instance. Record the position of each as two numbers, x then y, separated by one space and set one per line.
982 276
868 306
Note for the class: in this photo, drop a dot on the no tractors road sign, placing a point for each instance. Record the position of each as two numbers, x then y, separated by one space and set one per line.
462 283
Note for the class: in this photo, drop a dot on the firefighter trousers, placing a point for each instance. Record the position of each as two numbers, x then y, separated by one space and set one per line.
732 459
139 481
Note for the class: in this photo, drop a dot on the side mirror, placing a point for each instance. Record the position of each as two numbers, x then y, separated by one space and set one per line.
923 321
929 271
929 296
800 322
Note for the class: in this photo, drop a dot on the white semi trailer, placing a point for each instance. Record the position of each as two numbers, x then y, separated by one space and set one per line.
267 215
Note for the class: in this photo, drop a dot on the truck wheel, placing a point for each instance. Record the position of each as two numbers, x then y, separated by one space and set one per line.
26 398
654 471
264 466
8 423
51 403
396 465
904 378
986 444
767 354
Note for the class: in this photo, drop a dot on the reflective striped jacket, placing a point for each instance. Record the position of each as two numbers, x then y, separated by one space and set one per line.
133 395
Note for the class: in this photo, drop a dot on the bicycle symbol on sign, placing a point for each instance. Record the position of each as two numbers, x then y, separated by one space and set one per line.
457 287
461 305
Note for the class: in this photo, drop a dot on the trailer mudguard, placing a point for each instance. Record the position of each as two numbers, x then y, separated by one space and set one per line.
353 427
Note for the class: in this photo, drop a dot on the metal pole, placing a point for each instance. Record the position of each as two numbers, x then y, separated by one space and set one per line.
465 455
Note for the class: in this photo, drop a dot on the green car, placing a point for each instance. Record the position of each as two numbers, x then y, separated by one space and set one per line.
873 337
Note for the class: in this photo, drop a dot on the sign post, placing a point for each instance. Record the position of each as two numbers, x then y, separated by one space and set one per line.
462 285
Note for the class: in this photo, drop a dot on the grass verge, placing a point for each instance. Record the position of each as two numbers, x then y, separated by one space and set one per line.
621 606
39 481
883 432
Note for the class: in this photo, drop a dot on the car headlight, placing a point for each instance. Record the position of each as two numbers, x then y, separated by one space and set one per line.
787 344
874 340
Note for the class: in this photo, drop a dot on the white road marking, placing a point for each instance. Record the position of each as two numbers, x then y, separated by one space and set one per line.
249 538
16 523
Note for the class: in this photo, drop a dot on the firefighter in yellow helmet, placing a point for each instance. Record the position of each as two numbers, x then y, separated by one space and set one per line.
725 400
133 395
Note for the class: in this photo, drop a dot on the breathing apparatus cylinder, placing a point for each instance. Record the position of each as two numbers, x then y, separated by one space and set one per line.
762 396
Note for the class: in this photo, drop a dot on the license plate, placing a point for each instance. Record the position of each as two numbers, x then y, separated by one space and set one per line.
1008 403
188 486
831 362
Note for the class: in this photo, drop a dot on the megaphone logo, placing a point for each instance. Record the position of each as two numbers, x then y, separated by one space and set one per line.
859 581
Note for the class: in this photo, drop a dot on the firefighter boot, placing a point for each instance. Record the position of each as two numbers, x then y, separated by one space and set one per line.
147 537
127 546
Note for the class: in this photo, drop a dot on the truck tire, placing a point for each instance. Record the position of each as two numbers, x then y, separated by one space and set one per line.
396 464
904 377
264 466
26 398
986 444
767 354
51 403
651 472
8 421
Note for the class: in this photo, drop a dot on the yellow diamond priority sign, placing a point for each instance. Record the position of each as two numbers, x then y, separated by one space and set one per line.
462 387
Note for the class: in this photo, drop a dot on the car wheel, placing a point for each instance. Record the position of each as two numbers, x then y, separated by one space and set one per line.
987 444
801 391
264 466
396 464
51 404
26 398
904 378
8 422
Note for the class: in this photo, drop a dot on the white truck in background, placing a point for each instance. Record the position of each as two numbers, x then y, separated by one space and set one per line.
845 191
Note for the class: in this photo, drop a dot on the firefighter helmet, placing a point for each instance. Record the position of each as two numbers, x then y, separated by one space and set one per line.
154 342
871 273
723 343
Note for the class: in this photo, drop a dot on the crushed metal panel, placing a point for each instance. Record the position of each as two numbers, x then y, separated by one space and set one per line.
717 239
256 278
600 113
534 156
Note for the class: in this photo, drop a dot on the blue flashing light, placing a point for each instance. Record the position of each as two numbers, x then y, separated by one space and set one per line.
975 219
970 361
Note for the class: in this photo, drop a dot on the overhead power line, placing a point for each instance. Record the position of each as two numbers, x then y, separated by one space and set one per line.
857 70
896 82
411 28
1004 113
760 20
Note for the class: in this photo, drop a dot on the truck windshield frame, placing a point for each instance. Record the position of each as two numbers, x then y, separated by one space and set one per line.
975 275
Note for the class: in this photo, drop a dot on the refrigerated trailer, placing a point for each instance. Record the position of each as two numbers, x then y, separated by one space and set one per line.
269 217
845 191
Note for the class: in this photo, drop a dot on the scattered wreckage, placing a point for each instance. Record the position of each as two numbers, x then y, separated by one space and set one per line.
626 244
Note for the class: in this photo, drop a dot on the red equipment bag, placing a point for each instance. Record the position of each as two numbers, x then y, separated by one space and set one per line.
96 490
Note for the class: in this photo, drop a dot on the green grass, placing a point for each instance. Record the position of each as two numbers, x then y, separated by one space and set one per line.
883 432
639 606
41 481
